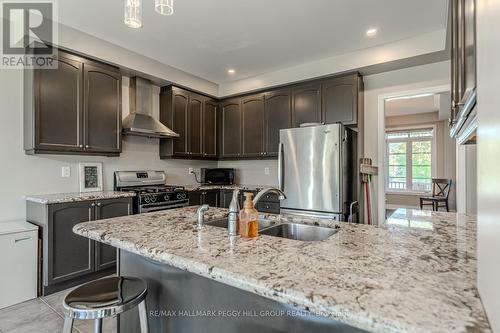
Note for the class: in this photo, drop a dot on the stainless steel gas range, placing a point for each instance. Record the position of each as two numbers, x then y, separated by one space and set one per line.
152 194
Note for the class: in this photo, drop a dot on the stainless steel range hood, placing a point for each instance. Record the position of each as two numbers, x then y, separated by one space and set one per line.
140 121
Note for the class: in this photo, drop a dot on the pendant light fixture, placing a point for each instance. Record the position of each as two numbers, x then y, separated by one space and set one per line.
164 7
133 13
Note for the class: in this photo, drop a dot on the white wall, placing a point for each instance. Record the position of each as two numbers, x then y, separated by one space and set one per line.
488 149
252 172
23 174
467 179
395 82
471 180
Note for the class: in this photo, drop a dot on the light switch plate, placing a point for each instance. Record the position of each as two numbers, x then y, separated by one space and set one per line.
65 171
266 171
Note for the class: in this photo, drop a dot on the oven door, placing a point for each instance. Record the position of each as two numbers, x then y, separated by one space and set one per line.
155 208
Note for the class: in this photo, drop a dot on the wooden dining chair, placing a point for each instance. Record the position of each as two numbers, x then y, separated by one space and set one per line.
440 192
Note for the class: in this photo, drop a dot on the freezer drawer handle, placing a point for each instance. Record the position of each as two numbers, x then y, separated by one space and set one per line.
21 239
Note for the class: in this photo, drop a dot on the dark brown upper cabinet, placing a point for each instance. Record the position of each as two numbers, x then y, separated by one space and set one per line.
180 117
74 109
248 126
252 143
278 115
306 104
340 100
102 110
194 118
210 131
231 128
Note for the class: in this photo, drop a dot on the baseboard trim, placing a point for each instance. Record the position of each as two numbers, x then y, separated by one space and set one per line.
390 206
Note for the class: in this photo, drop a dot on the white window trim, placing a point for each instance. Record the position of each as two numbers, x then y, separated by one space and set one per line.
433 155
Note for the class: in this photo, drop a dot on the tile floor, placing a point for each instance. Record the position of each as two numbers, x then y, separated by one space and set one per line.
44 315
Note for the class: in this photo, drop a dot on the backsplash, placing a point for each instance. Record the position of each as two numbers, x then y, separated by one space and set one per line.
252 172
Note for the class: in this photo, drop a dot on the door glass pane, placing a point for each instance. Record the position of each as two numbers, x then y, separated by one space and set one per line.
421 166
397 166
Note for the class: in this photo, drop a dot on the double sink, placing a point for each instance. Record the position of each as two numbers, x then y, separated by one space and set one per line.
294 231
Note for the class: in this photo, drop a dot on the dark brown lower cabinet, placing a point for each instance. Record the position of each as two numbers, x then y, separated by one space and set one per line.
105 255
69 255
69 259
225 198
209 197
222 198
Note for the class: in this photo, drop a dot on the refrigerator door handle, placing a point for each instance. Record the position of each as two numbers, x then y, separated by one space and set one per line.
280 166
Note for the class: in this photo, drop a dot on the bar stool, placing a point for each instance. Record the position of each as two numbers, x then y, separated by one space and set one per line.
106 298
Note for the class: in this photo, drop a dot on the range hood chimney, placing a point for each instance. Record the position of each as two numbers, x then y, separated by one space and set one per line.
140 121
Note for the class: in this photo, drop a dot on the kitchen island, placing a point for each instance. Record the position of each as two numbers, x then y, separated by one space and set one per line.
416 273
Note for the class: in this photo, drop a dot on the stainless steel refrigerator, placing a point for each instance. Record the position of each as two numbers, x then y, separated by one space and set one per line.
317 170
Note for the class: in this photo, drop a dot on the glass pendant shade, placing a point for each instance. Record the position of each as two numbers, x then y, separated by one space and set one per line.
164 7
133 13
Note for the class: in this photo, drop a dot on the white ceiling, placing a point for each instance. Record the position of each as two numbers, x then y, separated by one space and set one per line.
415 105
207 37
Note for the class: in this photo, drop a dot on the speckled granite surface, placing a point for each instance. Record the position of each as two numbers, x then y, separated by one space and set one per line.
417 273
77 196
225 187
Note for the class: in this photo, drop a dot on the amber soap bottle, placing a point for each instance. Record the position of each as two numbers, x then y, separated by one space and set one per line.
249 227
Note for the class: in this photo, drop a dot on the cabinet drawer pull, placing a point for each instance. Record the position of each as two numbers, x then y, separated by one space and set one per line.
21 239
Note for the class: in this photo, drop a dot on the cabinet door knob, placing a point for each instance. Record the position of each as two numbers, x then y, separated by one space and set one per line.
99 204
92 204
81 146
86 146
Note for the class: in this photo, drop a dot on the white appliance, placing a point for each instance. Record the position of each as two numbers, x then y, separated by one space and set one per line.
18 259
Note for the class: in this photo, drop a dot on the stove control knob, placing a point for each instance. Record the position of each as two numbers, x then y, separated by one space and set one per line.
166 197
146 199
179 196
153 198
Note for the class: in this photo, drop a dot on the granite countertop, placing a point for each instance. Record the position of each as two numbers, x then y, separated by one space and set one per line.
416 273
77 196
201 187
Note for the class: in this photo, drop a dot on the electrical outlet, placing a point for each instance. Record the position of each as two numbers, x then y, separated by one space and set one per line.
266 171
190 171
65 171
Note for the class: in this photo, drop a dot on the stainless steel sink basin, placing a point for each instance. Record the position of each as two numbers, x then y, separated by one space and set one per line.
223 223
300 232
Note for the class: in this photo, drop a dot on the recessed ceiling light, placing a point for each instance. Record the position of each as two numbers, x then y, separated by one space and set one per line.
231 71
371 32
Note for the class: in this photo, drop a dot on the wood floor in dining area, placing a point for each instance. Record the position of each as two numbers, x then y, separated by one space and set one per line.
45 315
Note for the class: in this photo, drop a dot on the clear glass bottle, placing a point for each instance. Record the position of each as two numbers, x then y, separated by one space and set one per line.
249 227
